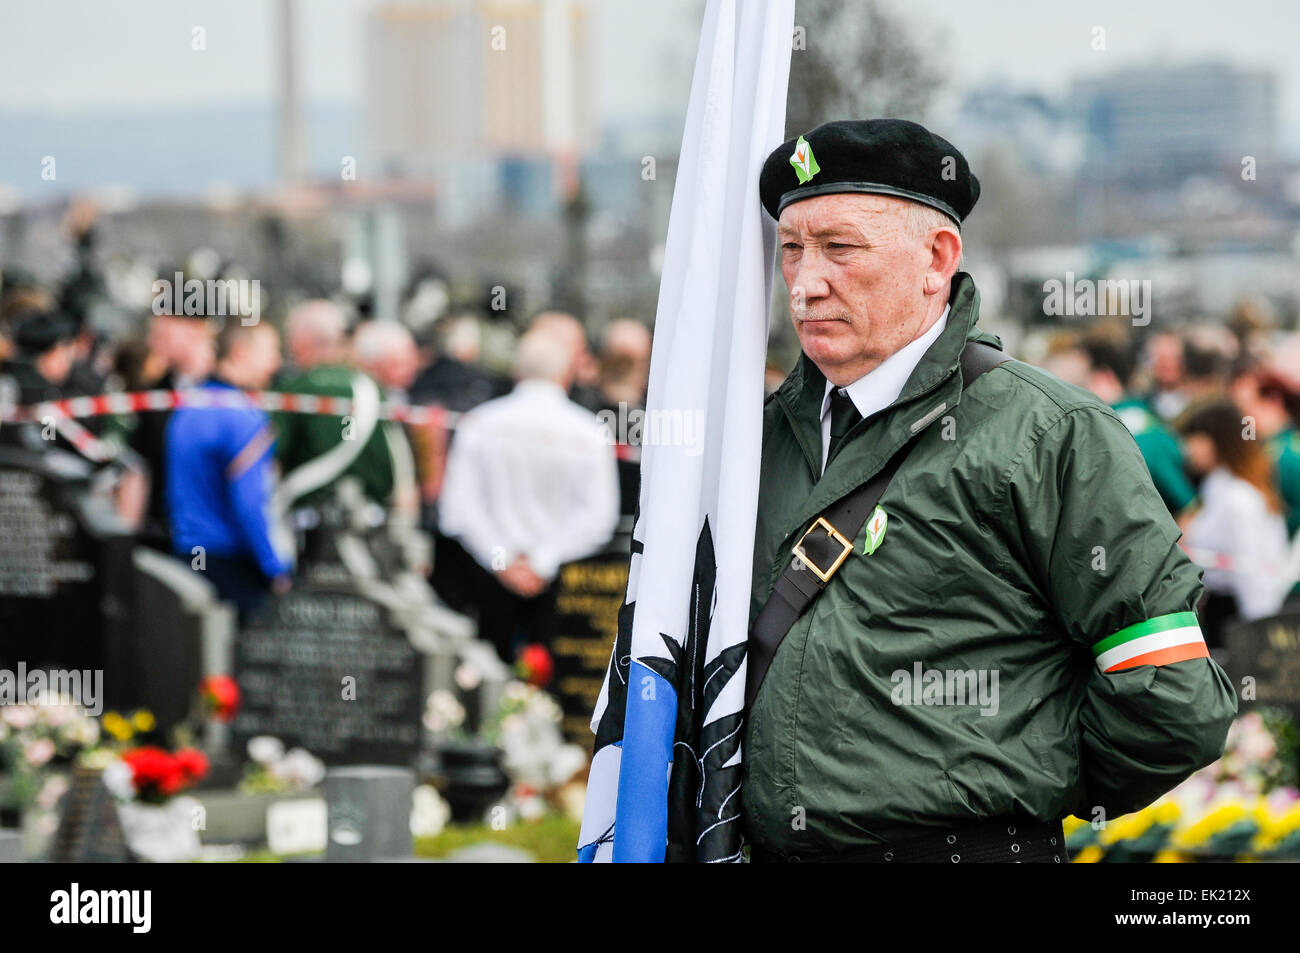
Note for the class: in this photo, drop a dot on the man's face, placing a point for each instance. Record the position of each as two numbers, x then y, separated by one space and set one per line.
261 357
56 363
856 280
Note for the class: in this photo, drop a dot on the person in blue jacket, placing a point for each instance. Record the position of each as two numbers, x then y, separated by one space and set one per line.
220 476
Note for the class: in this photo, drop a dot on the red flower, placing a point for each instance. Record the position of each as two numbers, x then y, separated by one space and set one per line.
193 763
535 665
220 696
157 774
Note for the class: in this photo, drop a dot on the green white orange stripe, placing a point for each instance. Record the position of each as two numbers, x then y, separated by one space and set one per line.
1160 641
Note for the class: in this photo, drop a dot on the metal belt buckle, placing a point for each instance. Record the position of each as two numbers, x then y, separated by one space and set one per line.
823 574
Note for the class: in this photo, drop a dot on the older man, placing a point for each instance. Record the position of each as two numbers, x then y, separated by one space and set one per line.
315 450
992 625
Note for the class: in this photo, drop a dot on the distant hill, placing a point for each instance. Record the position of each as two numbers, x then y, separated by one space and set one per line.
166 153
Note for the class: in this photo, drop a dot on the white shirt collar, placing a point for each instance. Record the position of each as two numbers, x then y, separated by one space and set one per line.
880 387
536 387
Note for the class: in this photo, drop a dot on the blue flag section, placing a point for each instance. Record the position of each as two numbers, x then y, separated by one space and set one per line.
665 777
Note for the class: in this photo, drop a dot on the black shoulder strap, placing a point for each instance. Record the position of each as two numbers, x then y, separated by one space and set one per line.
829 541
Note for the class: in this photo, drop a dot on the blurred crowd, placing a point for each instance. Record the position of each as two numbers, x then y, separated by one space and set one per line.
520 476
530 472
1214 408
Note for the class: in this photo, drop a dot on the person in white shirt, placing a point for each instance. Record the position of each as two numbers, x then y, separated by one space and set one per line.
531 483
1239 534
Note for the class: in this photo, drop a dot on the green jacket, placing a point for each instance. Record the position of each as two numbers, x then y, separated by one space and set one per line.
1024 536
304 437
1161 452
1285 449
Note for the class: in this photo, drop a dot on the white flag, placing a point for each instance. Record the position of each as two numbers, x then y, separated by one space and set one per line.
665 777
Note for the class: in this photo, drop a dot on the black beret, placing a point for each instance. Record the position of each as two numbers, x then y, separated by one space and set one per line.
877 156
35 332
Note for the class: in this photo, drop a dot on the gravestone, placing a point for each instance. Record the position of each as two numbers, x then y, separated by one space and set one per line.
1267 651
324 667
64 569
181 632
369 813
90 830
587 603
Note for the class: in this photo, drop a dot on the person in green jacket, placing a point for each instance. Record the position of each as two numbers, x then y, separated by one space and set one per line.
1012 637
1108 376
315 333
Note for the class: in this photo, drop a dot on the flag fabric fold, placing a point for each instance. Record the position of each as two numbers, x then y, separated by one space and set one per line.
665 776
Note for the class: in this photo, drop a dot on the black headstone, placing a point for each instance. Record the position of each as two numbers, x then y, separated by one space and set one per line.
587 602
64 568
166 649
293 662
1267 651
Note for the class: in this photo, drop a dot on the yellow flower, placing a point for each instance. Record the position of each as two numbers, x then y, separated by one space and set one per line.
1089 855
1128 826
116 725
1169 857
1274 828
1215 822
1072 824
143 720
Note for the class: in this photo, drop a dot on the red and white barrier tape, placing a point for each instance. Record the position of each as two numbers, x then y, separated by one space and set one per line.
65 413
147 400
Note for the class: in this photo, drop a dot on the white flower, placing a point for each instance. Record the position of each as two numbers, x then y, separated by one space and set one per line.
516 691
468 677
58 715
39 751
265 750
19 716
299 769
82 731
117 778
443 711
567 761
429 812
531 807
544 706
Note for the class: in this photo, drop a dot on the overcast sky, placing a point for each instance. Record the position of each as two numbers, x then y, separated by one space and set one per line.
78 55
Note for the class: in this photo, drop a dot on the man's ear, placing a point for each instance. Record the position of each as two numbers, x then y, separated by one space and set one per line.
945 257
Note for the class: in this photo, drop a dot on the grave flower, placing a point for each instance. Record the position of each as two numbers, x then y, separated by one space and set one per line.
535 665
220 697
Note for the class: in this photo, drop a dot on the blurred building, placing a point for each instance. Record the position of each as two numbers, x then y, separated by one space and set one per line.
1039 130
488 98
1160 125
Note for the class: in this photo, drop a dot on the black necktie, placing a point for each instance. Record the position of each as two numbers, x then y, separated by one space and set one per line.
843 416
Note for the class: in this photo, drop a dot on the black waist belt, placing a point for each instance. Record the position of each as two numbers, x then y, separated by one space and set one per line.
1009 842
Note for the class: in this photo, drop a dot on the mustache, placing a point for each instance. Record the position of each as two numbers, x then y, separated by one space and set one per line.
806 315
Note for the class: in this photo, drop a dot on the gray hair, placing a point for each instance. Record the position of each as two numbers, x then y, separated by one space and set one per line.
319 321
919 220
377 341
